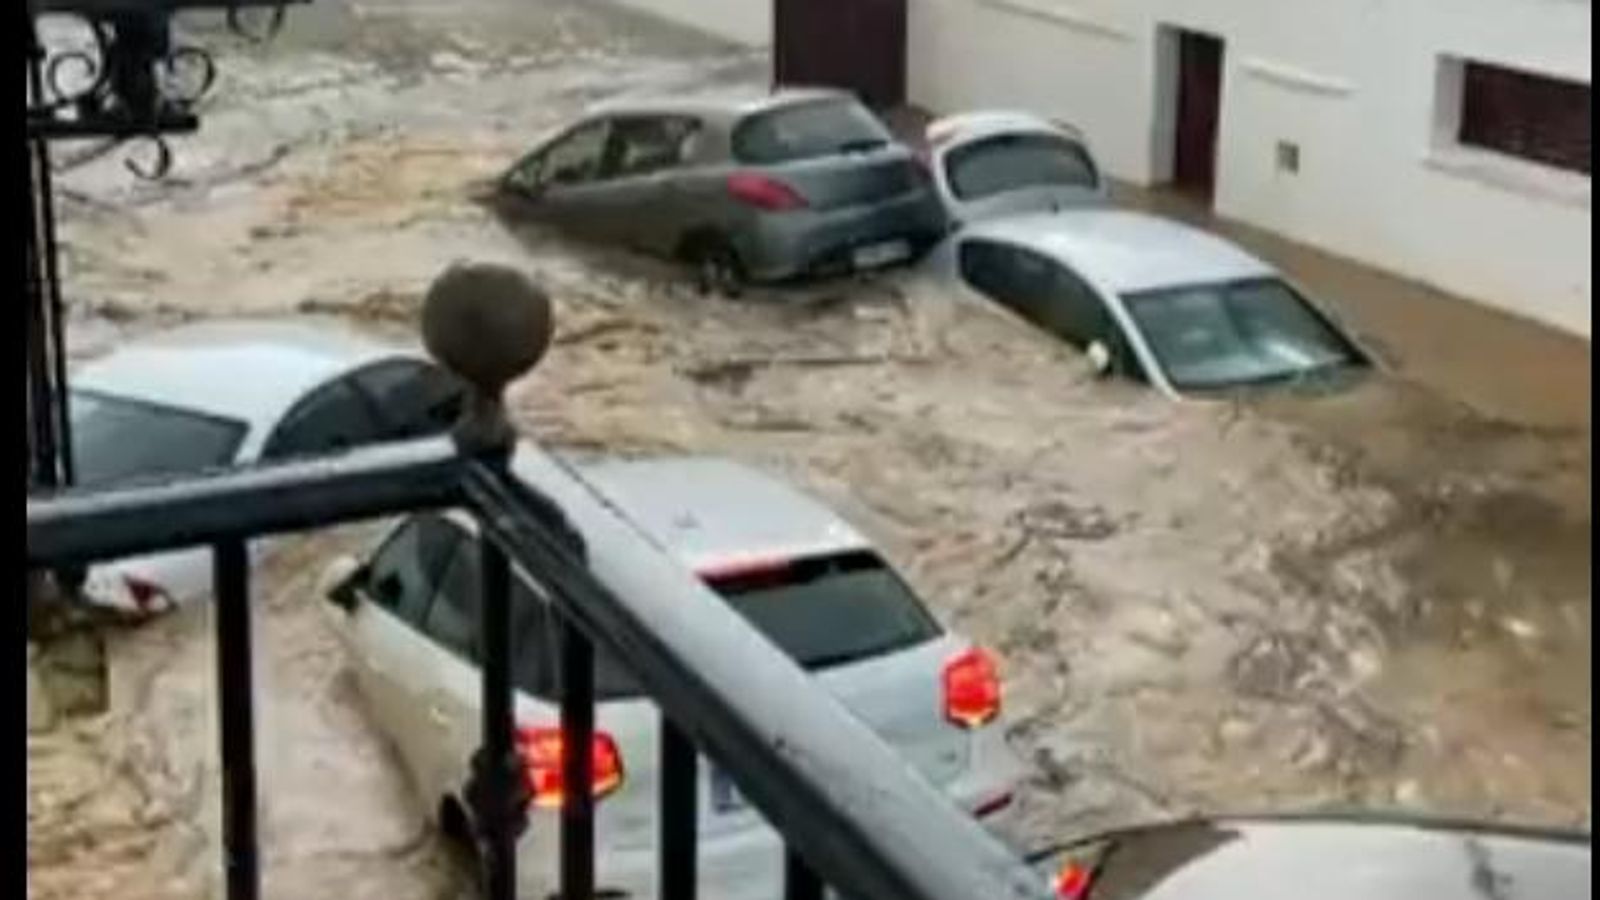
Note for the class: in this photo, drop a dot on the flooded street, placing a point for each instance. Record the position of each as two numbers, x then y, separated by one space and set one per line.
1376 599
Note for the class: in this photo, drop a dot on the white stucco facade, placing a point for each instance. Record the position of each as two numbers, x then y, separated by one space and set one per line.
1361 87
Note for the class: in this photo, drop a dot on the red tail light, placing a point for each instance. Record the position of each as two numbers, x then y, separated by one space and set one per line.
738 568
541 751
1072 882
146 595
764 193
971 689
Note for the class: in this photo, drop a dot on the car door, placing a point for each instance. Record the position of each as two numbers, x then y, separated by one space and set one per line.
644 160
393 659
561 184
1073 310
1046 294
452 693
1017 279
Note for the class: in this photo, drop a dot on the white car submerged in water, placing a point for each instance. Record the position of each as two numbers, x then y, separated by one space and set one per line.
220 394
800 575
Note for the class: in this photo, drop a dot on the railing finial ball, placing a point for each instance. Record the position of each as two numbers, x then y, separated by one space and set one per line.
488 323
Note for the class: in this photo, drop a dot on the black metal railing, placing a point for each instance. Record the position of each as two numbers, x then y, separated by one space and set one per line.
854 814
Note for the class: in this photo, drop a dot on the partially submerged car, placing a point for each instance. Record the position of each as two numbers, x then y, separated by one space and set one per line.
230 393
1308 857
744 187
1152 300
989 164
799 574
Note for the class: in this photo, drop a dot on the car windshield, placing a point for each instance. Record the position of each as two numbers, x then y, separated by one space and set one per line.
115 438
822 611
808 130
1228 334
1011 162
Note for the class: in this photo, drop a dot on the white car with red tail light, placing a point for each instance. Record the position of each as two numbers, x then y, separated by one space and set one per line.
797 573
221 394
996 163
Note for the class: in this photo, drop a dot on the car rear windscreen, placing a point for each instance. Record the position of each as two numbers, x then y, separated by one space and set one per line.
822 611
1012 162
806 131
114 438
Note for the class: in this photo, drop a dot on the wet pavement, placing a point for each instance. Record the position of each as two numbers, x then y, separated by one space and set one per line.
1379 598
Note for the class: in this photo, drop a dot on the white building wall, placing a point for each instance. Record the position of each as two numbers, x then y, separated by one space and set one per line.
1354 84
747 22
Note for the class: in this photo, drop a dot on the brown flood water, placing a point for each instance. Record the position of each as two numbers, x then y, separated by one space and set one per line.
1480 427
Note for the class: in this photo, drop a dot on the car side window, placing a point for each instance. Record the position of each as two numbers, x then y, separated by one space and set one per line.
524 176
640 146
404 574
1073 310
453 616
333 417
1046 294
453 620
982 267
575 159
1010 276
413 398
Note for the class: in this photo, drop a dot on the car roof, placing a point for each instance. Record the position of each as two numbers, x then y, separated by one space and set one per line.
977 124
252 371
1126 251
724 105
709 512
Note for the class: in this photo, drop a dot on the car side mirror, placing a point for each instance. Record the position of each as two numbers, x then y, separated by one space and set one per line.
342 581
1099 358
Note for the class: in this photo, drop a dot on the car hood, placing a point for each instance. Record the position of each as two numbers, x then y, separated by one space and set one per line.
1334 859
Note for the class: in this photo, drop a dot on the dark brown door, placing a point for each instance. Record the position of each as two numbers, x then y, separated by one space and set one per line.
1194 165
858 45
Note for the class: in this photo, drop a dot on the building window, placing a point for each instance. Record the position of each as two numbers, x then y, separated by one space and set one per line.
1532 117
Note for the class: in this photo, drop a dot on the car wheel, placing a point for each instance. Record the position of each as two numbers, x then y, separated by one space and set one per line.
717 269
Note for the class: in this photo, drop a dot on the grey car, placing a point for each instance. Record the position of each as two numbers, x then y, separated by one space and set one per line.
746 187
1322 857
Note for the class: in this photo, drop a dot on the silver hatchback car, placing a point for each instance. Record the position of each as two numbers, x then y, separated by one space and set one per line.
746 187
798 574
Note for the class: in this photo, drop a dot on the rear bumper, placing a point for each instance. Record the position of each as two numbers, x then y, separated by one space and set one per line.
812 243
748 864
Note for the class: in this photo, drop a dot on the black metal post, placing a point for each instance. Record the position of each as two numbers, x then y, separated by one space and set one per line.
47 414
799 881
490 325
50 256
498 762
231 571
679 814
577 766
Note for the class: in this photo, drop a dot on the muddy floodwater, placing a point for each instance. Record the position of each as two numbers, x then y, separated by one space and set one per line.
1378 598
